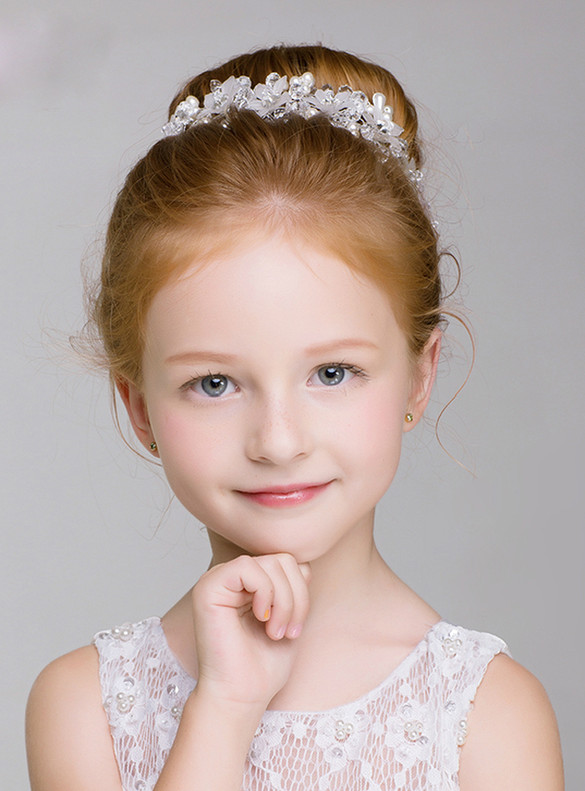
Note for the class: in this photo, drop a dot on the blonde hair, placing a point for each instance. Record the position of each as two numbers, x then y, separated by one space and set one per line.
196 193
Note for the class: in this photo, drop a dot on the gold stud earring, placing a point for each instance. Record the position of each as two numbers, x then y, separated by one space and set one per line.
409 417
153 447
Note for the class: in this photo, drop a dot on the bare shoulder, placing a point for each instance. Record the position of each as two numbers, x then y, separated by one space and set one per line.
68 740
513 738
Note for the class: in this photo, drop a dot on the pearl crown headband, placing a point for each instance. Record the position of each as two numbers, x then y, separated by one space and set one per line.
278 98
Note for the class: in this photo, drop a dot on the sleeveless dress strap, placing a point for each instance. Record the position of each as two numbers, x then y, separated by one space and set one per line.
143 693
463 656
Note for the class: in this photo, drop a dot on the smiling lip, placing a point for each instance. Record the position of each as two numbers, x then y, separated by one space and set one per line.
283 496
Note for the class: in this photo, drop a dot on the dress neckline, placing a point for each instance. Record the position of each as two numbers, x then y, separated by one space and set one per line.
401 668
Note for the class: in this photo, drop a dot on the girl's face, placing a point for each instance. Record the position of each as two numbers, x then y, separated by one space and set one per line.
276 385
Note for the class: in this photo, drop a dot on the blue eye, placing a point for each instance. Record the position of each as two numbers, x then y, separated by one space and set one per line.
331 374
214 385
336 373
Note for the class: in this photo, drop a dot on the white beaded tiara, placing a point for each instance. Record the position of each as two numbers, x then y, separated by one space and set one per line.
278 98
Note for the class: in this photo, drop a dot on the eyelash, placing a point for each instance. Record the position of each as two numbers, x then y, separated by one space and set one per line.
353 369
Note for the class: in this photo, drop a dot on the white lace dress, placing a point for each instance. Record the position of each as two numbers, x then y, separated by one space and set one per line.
404 735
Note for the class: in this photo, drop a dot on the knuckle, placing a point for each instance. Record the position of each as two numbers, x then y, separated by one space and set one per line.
264 561
246 561
286 559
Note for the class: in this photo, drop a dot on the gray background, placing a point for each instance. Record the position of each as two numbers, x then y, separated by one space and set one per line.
87 539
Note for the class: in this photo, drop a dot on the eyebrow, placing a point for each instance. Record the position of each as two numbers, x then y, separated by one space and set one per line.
338 345
202 356
311 351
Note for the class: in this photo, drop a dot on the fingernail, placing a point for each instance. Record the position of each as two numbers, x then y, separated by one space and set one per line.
280 633
294 632
267 614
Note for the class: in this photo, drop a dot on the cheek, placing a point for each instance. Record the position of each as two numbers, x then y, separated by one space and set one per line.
186 446
377 432
381 416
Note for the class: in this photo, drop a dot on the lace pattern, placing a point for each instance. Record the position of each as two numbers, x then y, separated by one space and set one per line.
404 735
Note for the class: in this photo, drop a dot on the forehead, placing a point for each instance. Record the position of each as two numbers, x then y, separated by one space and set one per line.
276 286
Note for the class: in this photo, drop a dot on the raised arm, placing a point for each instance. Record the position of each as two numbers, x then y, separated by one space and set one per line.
247 613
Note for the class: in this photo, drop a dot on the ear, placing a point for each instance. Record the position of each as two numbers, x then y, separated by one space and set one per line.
135 404
425 374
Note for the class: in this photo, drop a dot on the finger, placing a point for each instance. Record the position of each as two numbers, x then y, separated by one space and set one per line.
298 576
291 598
283 600
242 582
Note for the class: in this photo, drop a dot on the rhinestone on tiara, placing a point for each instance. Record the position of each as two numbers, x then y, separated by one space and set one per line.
279 98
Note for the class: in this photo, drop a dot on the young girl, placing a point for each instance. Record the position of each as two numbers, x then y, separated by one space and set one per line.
270 308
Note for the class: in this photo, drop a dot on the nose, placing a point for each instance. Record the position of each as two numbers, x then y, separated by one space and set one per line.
278 433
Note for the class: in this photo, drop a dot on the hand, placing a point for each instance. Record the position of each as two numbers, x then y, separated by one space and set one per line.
248 613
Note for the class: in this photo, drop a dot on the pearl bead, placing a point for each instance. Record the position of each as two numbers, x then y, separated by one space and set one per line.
413 730
343 730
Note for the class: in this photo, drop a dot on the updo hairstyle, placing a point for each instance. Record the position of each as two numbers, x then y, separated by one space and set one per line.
198 193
